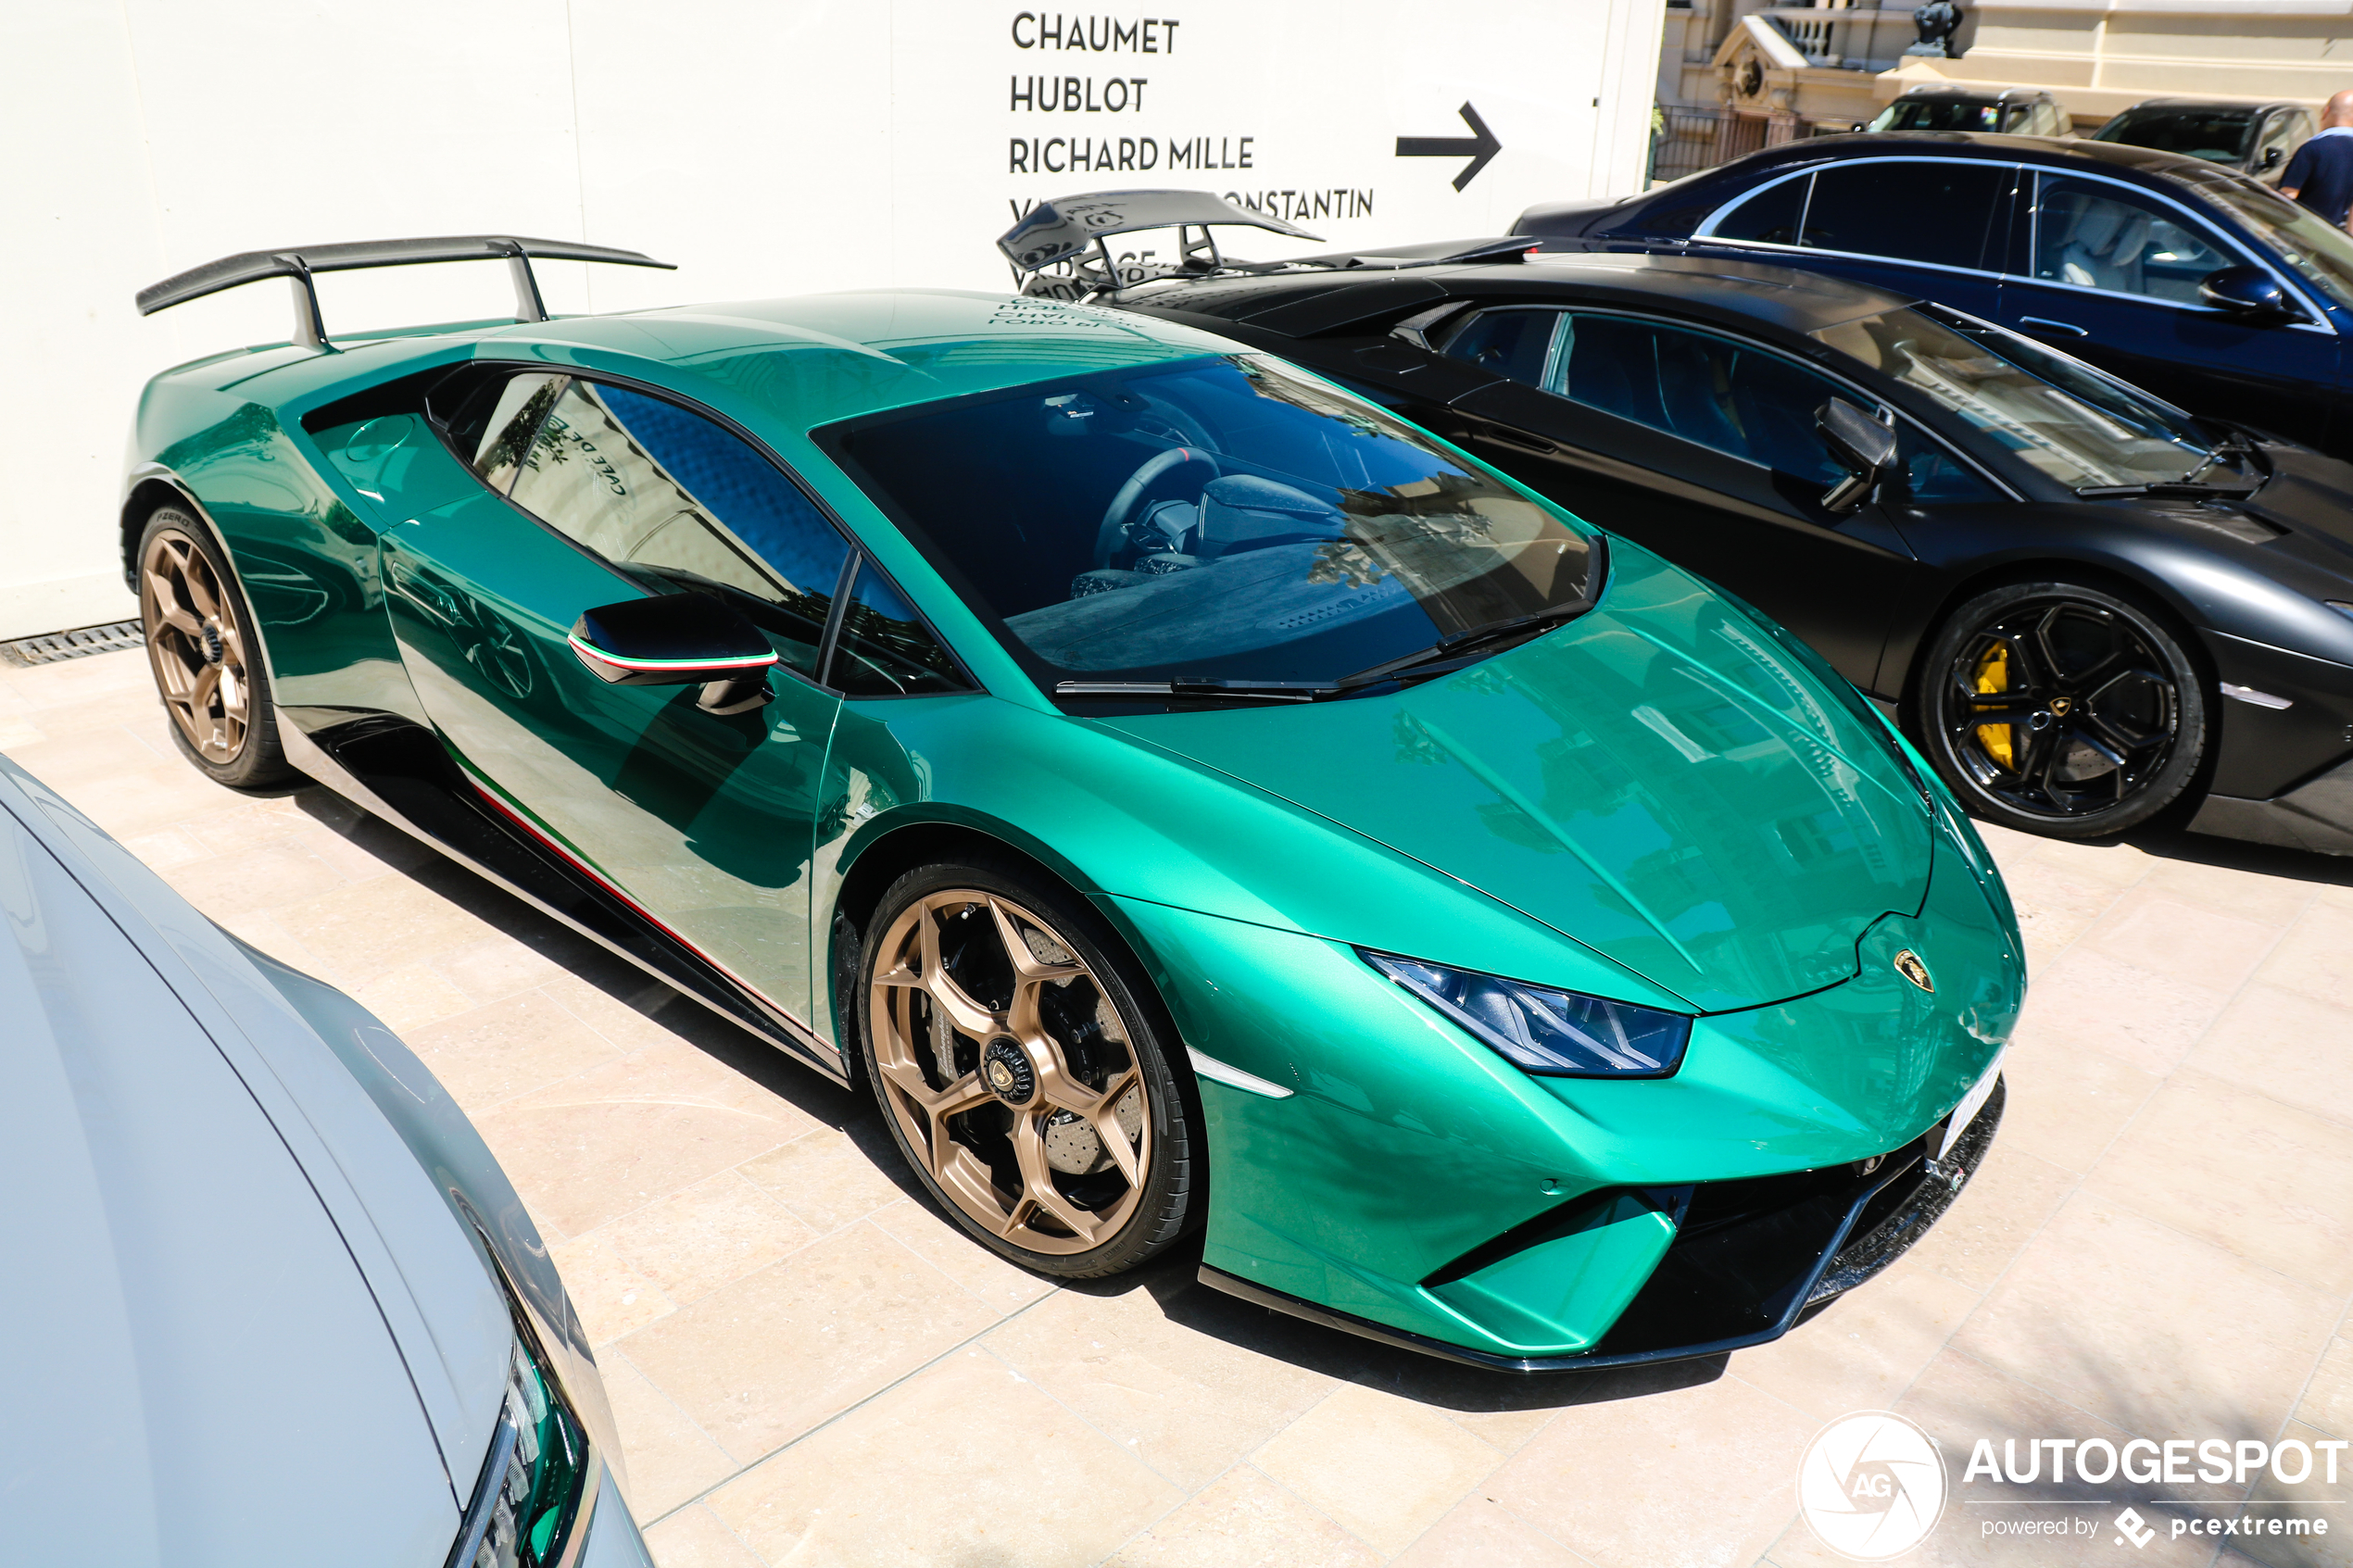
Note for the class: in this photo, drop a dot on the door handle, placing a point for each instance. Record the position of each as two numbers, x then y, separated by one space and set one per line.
1520 439
2070 327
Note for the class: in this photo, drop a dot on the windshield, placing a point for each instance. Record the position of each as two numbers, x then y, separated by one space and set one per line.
1224 518
2065 419
1939 114
2218 136
2302 238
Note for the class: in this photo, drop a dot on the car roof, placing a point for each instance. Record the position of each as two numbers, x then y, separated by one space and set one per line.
2213 106
1986 95
820 358
2113 157
1303 304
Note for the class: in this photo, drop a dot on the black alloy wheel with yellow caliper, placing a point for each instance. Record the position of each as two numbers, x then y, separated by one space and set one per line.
2063 710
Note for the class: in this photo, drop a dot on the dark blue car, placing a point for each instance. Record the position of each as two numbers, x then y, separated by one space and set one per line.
2188 278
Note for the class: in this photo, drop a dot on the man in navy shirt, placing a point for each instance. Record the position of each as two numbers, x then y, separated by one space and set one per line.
2320 174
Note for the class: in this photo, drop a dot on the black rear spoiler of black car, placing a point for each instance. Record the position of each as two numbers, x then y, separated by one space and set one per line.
298 262
1073 232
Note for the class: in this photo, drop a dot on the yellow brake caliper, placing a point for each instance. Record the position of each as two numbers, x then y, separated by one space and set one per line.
1994 675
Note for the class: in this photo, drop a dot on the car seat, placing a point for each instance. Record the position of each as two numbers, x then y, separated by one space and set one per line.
2102 245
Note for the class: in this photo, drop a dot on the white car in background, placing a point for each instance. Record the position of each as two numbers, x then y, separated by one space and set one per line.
270 1298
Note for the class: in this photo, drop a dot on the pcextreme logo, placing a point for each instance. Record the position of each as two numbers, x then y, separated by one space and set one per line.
1871 1486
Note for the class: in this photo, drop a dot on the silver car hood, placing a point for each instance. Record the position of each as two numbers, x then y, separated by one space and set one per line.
213 1351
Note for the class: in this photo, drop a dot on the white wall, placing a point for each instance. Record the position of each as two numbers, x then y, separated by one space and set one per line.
767 146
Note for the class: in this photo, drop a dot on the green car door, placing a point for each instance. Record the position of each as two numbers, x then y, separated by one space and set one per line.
591 494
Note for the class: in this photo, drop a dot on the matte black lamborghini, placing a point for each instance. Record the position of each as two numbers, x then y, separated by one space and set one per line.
2091 608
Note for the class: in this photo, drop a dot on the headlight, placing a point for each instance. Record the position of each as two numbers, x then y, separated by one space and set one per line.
1551 1033
533 1484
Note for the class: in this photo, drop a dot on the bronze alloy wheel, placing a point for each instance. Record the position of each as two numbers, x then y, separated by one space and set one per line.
1008 1072
200 645
197 645
2061 709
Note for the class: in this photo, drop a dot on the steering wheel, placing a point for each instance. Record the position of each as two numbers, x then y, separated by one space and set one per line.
1113 532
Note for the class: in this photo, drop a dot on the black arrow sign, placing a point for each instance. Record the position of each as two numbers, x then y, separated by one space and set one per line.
1478 146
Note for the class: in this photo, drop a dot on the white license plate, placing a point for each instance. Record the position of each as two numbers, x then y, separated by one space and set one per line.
1972 1103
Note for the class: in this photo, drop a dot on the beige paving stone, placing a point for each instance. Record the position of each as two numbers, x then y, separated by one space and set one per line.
1385 1468
2066 1106
705 1236
2170 936
693 1537
1480 1532
968 1463
1698 1472
2294 1048
376 849
166 849
2089 999
246 821
1001 1285
1501 1409
2119 865
491 1054
144 800
495 967
825 1179
631 1027
761 1361
267 877
66 761
1866 1348
2310 1500
410 998
262 931
1958 1400
670 1459
1242 1520
2009 1200
617 1138
2328 1399
611 1298
366 928
2316 957
2150 1329
2055 908
1186 1402
2245 1172
2233 890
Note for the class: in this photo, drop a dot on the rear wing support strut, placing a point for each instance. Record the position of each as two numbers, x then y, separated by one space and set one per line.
298 265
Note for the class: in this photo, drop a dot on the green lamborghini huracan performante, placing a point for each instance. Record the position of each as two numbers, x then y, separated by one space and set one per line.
1186 797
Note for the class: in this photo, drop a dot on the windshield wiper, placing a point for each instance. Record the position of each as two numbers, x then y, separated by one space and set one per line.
1465 643
2166 487
1205 686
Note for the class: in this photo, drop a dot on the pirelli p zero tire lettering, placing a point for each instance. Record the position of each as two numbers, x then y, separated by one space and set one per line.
2061 709
202 648
1020 1061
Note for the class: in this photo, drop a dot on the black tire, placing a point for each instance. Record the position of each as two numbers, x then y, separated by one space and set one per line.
2104 712
1014 1162
205 652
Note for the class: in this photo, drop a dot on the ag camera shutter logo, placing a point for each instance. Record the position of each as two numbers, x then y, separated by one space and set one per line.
1871 1486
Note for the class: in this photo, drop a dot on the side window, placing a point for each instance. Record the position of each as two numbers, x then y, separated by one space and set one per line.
1933 476
2103 237
1909 211
1708 390
515 415
1513 343
885 649
1770 216
2280 139
671 495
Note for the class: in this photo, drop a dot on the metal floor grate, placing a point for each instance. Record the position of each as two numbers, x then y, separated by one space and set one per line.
51 647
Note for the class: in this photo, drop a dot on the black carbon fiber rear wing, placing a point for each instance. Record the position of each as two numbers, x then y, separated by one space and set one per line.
298 262
1072 236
